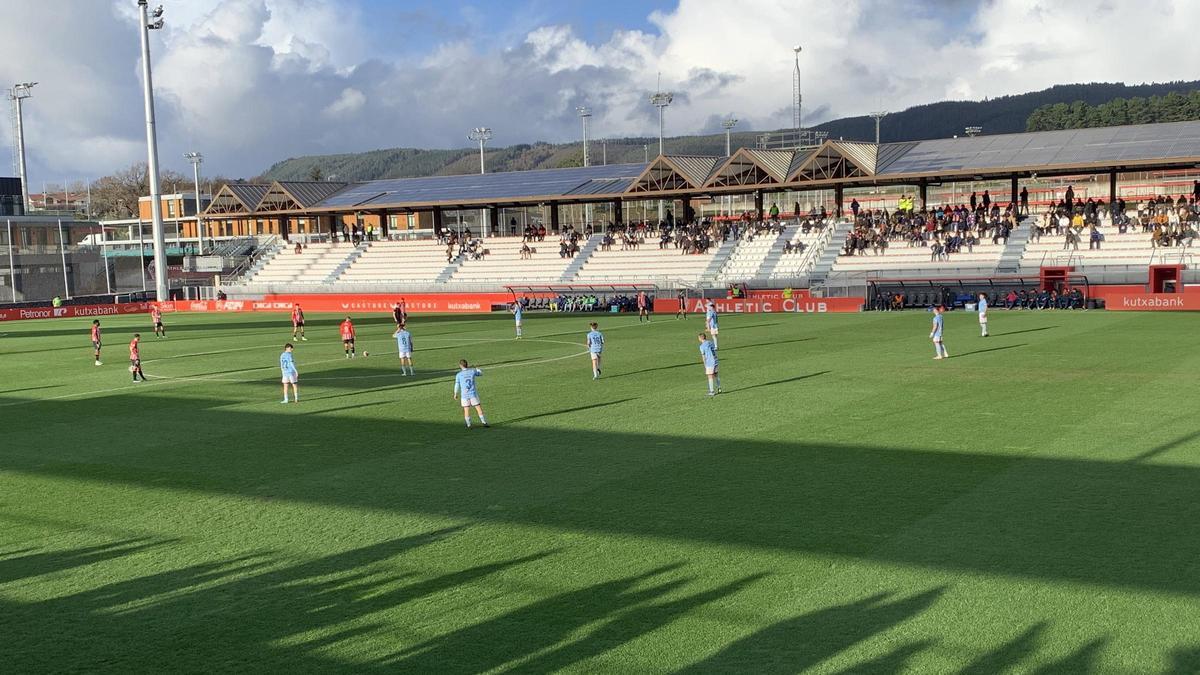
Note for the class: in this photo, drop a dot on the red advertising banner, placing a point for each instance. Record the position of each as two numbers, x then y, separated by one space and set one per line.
1152 302
73 311
801 304
441 303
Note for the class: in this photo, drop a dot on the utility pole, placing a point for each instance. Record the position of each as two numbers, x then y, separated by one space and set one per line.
161 290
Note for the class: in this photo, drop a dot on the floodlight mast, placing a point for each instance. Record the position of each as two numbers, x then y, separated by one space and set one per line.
196 159
483 135
661 99
585 114
161 287
728 124
18 93
797 98
878 115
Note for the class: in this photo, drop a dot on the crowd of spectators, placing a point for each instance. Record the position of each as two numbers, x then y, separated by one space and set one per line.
586 302
943 230
1169 221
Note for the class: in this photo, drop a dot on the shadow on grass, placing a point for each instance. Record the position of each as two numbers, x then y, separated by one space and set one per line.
1166 447
753 325
1027 330
795 644
14 391
1035 517
798 378
1136 523
695 364
567 411
723 350
985 351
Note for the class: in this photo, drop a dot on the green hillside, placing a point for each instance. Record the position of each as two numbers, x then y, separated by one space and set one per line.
1006 114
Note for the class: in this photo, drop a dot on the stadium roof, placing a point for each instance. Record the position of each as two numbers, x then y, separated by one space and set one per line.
833 163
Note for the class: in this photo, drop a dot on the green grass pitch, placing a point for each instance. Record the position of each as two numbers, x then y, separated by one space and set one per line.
848 505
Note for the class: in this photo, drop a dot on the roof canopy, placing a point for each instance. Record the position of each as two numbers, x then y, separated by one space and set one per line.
846 163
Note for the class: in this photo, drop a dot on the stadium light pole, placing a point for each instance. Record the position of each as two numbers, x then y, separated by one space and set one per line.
878 115
18 93
728 124
196 159
483 135
585 113
661 99
156 227
797 97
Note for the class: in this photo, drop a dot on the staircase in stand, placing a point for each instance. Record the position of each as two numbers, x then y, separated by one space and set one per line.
833 247
589 247
1014 248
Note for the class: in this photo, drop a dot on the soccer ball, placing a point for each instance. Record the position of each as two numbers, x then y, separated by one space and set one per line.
366 354
132 369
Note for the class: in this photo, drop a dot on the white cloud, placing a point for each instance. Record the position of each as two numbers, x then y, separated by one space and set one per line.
249 82
350 102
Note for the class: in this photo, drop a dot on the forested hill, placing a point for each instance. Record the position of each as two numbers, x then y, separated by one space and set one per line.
1083 105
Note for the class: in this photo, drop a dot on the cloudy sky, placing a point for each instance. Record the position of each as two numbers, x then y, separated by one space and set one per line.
250 82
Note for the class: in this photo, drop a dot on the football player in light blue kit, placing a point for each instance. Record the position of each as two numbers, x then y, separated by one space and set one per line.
982 307
710 321
464 384
708 354
404 344
595 345
939 347
287 365
516 311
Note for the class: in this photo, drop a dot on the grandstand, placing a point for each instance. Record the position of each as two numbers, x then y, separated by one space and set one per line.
785 254
314 264
1130 249
396 261
502 262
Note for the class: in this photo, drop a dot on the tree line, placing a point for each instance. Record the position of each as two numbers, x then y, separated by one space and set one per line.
1171 107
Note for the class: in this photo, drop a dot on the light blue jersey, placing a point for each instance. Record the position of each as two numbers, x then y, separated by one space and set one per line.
464 383
595 342
982 306
937 325
517 314
287 363
709 352
710 318
404 342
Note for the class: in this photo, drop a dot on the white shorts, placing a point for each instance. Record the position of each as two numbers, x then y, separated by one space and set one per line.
596 355
713 330
710 371
406 355
983 318
291 378
937 338
468 402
